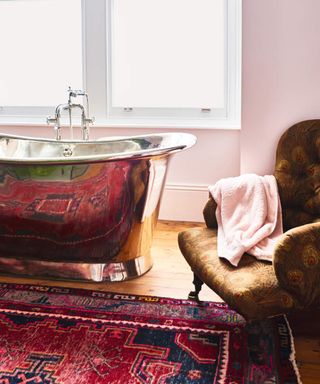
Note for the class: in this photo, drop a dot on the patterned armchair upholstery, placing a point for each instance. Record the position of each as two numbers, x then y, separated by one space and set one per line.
258 289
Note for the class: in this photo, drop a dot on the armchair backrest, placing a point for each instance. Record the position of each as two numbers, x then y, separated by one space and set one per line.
297 171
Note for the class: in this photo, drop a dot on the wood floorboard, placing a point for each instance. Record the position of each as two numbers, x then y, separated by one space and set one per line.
172 277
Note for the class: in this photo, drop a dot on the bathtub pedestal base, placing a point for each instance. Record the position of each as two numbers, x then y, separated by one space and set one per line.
111 272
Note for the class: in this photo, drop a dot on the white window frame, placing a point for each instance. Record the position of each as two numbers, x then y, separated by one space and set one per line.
96 34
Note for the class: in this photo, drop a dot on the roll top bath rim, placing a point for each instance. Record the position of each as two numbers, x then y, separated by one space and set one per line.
19 149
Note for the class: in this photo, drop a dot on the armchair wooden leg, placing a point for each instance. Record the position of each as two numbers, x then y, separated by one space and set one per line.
197 282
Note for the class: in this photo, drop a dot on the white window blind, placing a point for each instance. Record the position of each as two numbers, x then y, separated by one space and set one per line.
144 63
168 53
41 51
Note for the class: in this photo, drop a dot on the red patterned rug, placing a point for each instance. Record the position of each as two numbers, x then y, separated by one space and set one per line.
71 336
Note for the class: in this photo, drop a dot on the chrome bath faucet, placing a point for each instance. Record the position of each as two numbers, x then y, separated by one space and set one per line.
69 107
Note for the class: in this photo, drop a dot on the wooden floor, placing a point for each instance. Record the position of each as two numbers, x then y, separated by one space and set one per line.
171 277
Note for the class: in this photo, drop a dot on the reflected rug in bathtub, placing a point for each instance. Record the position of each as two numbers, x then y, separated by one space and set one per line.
71 336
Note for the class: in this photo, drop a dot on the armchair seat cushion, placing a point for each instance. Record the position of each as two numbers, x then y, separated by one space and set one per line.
251 288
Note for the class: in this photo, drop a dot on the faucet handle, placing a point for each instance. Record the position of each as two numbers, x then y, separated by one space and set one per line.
89 120
51 120
76 92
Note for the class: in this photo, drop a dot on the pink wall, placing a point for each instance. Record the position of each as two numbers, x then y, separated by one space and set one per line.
281 75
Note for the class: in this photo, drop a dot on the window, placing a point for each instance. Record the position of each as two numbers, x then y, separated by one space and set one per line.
40 56
160 55
142 62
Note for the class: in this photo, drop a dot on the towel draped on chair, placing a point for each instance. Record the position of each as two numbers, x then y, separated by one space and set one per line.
249 216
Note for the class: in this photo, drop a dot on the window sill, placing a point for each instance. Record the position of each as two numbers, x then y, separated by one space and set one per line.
223 124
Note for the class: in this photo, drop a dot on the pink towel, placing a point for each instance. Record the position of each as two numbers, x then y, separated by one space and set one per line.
248 215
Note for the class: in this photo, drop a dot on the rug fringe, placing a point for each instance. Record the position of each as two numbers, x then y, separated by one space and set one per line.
293 353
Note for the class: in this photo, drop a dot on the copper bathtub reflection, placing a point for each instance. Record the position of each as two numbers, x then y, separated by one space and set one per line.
76 210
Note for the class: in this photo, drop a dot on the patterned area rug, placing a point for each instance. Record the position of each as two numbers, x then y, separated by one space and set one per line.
71 336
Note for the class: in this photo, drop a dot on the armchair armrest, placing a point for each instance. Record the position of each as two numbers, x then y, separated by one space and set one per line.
209 213
297 263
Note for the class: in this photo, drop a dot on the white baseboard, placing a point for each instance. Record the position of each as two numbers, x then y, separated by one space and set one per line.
183 202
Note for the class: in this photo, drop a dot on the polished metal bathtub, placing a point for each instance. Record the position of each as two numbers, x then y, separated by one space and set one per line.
82 210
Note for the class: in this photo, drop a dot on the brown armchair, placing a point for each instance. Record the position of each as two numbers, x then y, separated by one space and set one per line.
258 289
